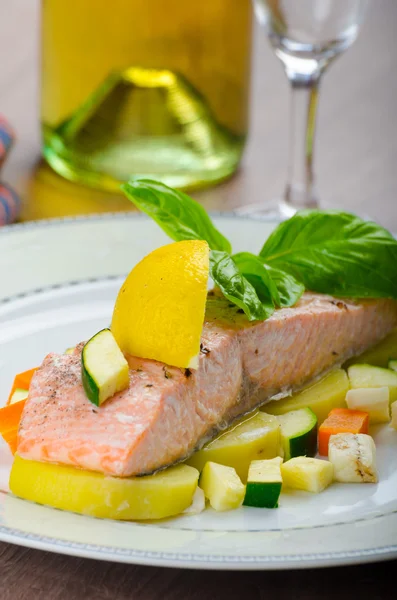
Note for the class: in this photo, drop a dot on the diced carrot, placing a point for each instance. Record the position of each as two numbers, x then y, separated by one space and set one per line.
22 381
10 417
341 420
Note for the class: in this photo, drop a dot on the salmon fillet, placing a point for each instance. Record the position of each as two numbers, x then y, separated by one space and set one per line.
167 413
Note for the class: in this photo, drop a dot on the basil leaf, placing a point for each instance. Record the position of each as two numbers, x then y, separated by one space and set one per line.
250 266
270 283
181 217
289 288
336 253
235 287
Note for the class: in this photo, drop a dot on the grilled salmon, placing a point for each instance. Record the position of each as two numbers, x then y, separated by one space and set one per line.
166 413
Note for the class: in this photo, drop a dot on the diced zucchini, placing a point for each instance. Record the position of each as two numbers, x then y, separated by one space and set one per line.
157 496
256 436
264 483
104 368
394 415
222 486
69 350
321 397
18 395
308 474
374 401
380 354
393 364
367 376
353 456
299 433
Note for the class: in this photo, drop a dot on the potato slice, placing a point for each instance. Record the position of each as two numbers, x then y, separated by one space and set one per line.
255 437
157 496
321 397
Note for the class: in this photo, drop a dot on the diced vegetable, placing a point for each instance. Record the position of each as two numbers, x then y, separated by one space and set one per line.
374 401
366 376
320 397
308 474
394 415
18 395
341 420
299 433
256 436
393 364
104 368
22 381
264 483
380 354
164 494
10 416
353 457
222 486
69 350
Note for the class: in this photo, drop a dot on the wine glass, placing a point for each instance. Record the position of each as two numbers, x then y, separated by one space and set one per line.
307 36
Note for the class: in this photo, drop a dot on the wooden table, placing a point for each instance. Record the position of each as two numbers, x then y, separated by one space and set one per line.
356 169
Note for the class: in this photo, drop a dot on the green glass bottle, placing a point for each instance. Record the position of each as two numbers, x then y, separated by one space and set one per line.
153 88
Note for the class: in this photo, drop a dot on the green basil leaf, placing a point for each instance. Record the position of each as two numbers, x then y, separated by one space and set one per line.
251 267
336 253
181 217
270 283
235 287
289 288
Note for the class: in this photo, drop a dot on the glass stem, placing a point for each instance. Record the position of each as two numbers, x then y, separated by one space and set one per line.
299 192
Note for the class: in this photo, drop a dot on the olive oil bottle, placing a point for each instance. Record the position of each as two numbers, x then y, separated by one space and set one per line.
154 88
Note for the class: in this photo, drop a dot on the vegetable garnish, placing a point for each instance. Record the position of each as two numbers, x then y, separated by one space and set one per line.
264 483
149 320
104 370
334 252
331 252
21 381
353 457
10 416
341 420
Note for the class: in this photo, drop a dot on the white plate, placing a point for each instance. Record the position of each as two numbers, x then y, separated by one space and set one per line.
58 283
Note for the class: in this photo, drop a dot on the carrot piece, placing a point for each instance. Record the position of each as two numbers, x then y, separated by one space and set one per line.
10 416
22 381
341 420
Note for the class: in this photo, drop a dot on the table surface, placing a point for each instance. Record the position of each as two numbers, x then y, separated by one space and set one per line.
356 167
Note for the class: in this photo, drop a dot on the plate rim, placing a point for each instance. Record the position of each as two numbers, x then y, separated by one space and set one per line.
194 561
128 214
171 559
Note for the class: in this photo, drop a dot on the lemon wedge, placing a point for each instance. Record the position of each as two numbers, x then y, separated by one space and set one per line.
159 311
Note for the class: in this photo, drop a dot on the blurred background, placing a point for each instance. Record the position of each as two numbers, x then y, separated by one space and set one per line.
356 147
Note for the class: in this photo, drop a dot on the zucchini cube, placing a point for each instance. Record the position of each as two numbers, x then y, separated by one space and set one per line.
264 483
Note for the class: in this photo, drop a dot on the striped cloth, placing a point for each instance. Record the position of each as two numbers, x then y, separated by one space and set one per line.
10 203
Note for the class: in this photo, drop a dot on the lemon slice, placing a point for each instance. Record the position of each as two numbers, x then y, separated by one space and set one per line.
159 311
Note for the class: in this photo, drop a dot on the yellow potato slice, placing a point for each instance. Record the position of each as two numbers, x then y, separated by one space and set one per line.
321 397
164 494
255 437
